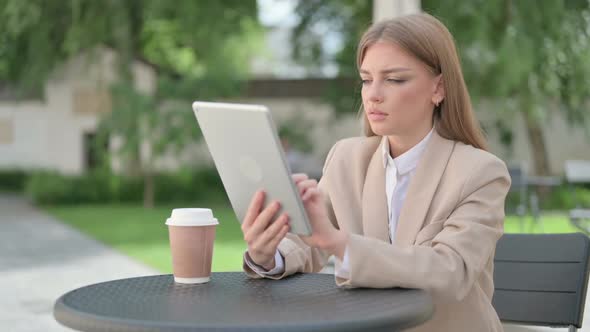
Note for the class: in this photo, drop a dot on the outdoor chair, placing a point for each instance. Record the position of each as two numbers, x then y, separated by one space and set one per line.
578 172
519 188
541 279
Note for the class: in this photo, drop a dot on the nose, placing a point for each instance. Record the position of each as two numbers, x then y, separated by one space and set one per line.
375 92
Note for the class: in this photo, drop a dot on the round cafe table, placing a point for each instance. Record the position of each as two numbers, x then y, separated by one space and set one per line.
233 302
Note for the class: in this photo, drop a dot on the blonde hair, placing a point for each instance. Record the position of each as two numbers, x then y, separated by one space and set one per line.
426 38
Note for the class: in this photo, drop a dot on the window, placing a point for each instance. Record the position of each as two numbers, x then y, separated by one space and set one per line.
92 101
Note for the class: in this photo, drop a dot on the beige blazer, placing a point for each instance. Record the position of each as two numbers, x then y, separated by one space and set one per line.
446 235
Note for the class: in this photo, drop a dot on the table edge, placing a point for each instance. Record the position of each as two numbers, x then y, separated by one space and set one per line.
84 321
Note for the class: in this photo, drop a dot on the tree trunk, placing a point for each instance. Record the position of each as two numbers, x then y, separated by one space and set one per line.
148 190
537 144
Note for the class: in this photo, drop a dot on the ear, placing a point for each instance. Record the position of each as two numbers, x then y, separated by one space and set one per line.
438 94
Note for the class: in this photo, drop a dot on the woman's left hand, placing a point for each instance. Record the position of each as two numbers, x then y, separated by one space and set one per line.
324 234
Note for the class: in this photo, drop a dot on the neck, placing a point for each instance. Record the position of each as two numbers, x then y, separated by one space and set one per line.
401 143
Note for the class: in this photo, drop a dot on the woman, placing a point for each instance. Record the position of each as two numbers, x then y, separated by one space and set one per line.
417 203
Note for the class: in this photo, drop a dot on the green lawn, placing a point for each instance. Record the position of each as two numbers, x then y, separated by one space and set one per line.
141 233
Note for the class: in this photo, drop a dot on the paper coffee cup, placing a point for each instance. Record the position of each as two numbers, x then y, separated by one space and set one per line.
192 233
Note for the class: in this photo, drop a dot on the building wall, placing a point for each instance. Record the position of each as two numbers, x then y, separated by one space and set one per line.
24 128
49 133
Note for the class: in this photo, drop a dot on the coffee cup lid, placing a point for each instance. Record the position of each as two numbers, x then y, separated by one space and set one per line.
191 217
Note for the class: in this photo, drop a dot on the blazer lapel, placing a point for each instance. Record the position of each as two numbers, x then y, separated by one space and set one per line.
422 188
374 201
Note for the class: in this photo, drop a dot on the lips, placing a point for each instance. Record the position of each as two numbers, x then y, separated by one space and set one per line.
374 115
377 112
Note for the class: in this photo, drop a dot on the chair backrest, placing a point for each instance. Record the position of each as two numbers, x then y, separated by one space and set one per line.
541 279
577 171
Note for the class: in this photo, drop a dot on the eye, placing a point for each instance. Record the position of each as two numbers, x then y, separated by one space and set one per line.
365 82
396 81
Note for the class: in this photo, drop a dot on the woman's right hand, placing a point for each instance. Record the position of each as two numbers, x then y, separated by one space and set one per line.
261 233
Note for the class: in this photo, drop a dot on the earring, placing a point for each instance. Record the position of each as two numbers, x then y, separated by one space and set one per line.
436 103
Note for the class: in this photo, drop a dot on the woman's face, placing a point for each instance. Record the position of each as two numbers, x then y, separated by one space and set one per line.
398 91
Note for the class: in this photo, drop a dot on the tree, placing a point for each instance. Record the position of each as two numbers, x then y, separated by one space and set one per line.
192 39
197 48
350 19
531 57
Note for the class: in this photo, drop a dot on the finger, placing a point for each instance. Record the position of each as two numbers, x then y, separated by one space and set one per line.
274 242
298 177
253 209
274 229
264 218
310 194
306 184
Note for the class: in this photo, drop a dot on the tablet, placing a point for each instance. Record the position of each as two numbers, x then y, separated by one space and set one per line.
245 147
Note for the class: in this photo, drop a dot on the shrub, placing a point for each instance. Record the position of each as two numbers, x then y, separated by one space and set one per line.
13 180
50 187
186 186
564 197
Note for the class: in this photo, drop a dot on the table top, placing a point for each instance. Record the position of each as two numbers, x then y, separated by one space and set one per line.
233 302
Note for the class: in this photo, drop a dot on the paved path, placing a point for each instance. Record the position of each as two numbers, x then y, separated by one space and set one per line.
41 258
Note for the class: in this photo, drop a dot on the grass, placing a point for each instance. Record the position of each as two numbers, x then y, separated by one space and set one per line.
141 233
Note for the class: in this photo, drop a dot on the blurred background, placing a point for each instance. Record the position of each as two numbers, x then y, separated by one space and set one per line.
98 141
